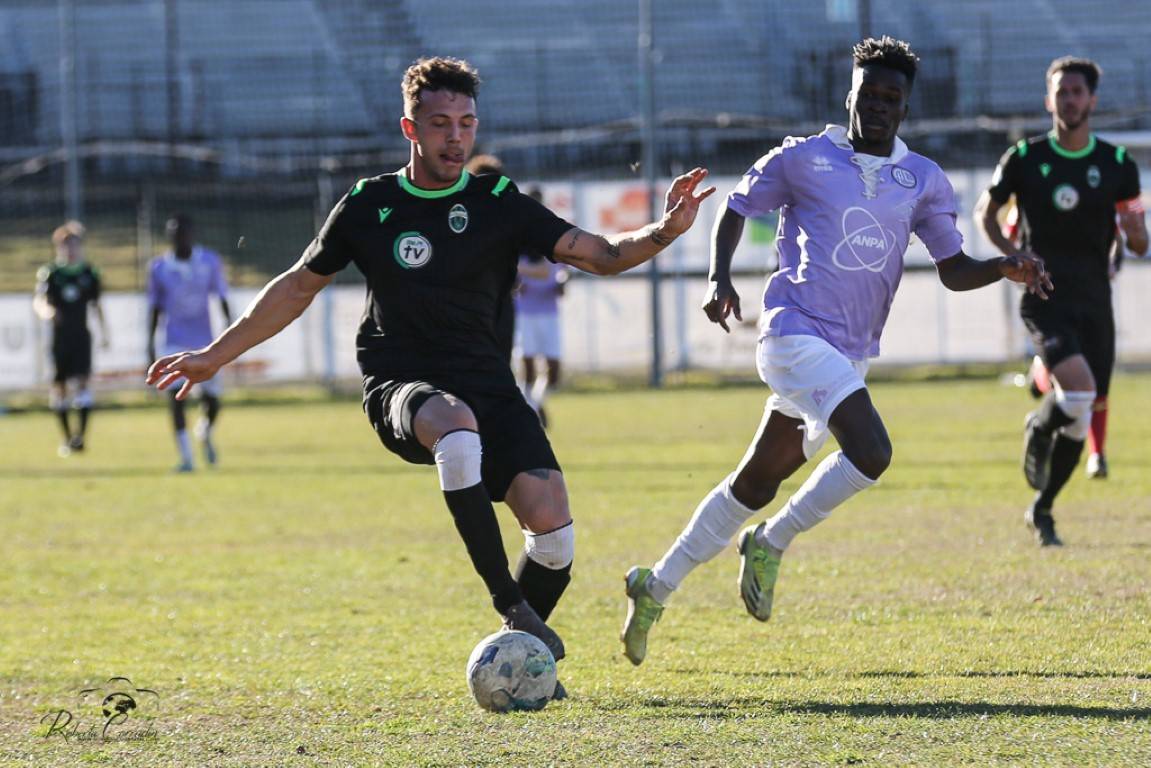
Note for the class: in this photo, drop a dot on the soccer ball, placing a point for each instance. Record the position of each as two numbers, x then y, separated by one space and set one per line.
511 671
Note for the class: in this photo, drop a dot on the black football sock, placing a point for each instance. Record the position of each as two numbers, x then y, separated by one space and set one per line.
179 420
62 415
542 587
475 519
211 405
1064 458
84 421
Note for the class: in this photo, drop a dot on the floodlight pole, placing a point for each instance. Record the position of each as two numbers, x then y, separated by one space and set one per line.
73 201
648 138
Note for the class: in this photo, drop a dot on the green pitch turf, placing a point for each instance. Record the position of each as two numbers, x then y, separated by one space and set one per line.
309 603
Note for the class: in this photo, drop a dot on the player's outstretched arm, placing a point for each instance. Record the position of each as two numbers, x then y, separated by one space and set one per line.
720 300
963 273
279 303
612 254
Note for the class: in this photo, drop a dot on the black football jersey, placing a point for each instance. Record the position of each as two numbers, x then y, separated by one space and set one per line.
69 288
1067 203
437 265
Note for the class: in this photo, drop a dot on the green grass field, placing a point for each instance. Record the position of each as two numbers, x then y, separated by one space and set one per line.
309 603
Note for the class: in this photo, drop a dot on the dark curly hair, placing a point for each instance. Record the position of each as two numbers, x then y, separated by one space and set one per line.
886 52
441 73
1086 67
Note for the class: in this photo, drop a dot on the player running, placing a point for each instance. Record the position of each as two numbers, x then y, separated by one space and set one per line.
1068 186
438 249
849 200
180 286
64 292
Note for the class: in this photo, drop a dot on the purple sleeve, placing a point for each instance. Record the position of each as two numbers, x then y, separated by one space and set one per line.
155 297
935 219
763 188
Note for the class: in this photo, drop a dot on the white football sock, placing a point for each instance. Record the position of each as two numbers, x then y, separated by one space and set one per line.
833 482
716 520
539 392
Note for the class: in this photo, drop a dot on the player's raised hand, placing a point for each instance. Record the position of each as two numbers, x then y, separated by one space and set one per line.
1027 268
192 367
681 204
720 301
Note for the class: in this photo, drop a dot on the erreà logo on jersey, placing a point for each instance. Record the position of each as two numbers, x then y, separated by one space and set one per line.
458 218
412 250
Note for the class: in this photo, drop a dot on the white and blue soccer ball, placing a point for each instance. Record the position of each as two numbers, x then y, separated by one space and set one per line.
511 671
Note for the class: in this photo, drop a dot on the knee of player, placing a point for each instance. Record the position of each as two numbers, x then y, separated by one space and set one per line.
874 458
554 549
753 492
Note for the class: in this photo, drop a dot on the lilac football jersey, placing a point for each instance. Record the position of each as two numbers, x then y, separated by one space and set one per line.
539 295
844 225
181 289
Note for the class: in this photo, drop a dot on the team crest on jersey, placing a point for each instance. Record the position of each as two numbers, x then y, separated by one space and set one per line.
819 163
1065 197
1093 176
458 218
412 250
903 177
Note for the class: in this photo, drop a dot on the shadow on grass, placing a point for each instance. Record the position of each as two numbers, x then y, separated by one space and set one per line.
741 707
946 710
1076 674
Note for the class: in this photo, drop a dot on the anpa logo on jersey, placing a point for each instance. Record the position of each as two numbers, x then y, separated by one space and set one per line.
903 177
865 244
412 250
458 218
1065 197
1094 177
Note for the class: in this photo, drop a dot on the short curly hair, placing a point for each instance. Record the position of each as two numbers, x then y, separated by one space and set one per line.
1086 67
439 73
886 52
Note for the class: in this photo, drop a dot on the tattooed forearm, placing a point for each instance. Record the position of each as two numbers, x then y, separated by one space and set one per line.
575 236
661 239
612 249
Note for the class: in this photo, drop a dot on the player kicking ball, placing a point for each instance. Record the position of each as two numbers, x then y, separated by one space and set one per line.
438 249
849 200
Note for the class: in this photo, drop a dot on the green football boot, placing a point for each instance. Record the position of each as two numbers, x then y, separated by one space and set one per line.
642 612
758 570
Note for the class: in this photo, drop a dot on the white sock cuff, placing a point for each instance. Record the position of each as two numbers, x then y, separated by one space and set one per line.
858 480
554 549
57 402
1075 403
459 457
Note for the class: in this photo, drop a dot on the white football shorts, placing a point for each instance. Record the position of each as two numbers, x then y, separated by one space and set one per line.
539 335
809 378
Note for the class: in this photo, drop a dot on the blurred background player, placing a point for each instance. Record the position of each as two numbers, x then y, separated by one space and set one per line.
180 284
1038 378
849 201
1069 186
538 330
64 292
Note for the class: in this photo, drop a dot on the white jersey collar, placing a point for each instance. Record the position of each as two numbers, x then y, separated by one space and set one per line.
838 136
